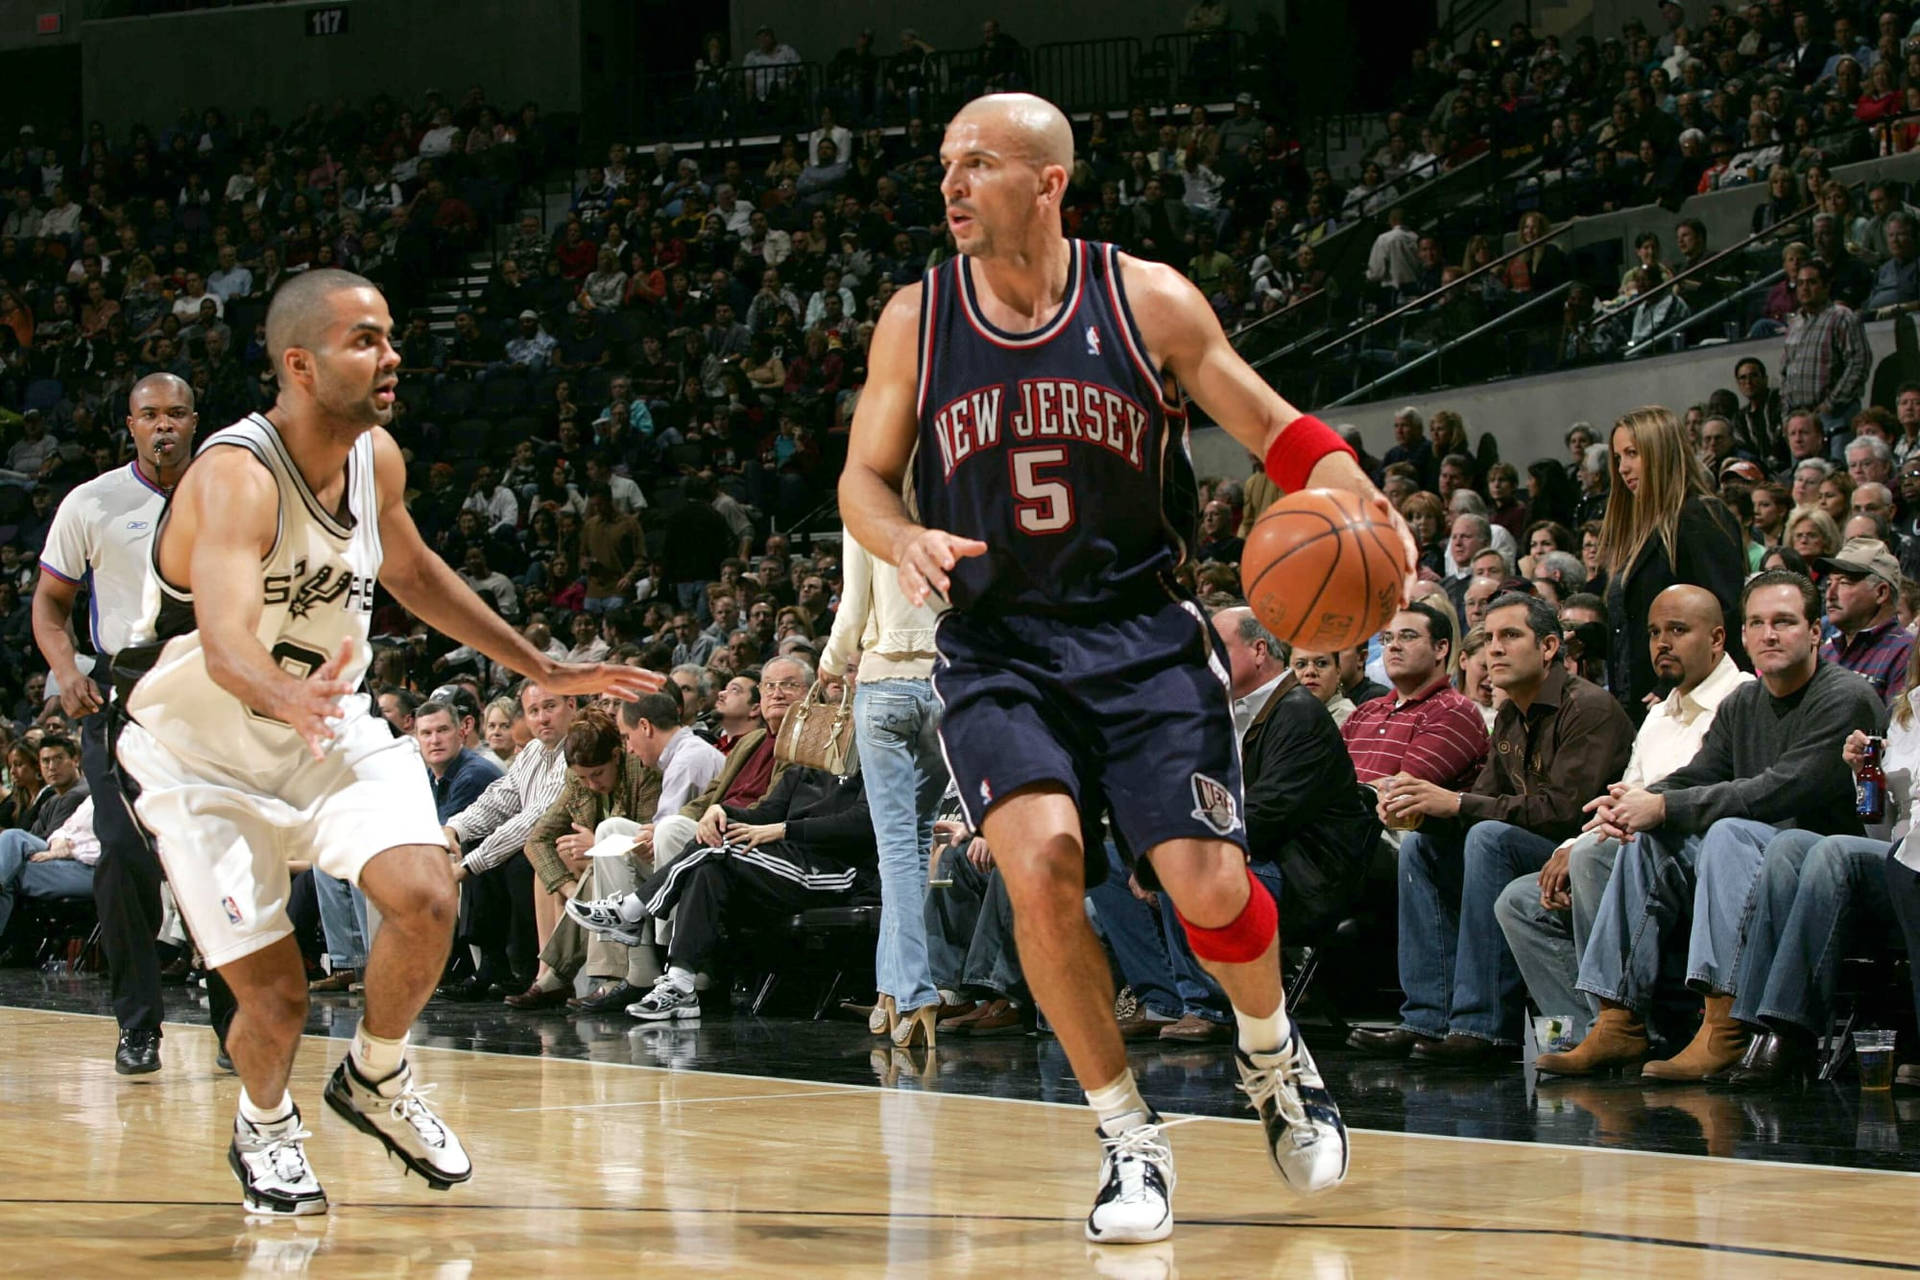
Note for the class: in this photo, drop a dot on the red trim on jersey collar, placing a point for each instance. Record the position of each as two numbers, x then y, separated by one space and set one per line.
1076 281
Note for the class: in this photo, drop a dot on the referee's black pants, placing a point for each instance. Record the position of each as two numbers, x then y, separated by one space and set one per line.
126 882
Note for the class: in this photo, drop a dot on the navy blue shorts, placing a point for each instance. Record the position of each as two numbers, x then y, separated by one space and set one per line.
1131 715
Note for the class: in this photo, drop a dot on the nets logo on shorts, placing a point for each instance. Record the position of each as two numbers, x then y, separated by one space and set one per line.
232 909
1214 805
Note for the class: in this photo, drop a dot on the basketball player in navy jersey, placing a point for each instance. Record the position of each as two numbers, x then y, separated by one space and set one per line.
1034 387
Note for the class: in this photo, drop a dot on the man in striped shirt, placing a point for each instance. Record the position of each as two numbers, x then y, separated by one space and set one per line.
1827 358
487 837
1427 728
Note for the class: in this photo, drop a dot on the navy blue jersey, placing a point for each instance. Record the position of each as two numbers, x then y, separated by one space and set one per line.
1062 449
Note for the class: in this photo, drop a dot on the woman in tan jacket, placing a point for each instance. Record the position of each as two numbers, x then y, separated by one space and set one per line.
896 722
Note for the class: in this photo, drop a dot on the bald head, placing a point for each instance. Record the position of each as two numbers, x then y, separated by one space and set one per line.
301 310
1023 125
169 388
161 419
1686 635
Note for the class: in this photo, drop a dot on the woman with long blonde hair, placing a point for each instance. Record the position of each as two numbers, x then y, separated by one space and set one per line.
1664 525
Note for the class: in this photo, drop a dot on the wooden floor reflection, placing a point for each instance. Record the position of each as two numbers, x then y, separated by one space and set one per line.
588 1168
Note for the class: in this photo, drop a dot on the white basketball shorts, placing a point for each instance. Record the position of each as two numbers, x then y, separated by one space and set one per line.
226 833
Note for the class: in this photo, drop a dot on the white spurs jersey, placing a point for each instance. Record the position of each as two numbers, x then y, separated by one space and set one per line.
317 585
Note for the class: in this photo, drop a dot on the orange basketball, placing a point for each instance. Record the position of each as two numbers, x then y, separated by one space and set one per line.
1321 572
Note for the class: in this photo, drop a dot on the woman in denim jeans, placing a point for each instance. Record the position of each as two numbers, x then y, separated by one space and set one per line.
895 724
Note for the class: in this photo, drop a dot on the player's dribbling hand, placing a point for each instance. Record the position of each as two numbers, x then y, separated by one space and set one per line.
926 558
629 684
81 697
312 708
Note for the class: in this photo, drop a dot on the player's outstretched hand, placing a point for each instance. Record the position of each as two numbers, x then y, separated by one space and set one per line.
628 683
927 558
313 707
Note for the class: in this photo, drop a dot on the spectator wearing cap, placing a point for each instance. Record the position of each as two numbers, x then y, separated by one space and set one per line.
1241 128
1862 591
769 64
531 347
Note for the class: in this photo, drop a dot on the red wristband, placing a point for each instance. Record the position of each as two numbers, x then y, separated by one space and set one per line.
1297 449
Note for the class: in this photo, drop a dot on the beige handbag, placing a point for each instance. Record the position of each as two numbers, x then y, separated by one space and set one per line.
816 733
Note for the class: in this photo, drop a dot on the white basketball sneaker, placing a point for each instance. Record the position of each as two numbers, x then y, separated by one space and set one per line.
398 1115
271 1162
1305 1135
601 917
1135 1204
665 1003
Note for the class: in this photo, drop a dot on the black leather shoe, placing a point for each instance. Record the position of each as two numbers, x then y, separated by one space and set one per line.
614 997
1772 1061
138 1054
222 1061
1393 1042
472 991
1461 1051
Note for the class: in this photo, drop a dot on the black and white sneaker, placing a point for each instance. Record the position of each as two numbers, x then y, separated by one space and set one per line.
665 1001
1305 1135
398 1115
271 1162
601 917
1135 1204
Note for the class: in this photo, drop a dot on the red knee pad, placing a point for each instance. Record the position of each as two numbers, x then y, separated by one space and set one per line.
1247 938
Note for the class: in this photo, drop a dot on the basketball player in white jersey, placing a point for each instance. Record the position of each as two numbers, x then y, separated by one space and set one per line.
251 746
100 541
1007 159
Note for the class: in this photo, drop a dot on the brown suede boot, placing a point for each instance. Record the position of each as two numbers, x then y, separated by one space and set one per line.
1617 1038
1715 1047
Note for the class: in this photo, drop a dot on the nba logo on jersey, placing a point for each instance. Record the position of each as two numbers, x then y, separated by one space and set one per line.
1214 805
232 909
986 794
1093 340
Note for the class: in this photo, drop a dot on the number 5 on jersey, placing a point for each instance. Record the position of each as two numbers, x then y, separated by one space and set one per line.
1042 504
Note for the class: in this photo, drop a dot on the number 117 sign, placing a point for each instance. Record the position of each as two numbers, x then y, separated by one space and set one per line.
328 20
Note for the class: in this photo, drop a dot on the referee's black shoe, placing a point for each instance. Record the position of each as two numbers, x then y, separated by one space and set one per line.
139 1052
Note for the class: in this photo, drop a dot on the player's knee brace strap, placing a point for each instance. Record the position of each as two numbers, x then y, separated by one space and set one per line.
1247 938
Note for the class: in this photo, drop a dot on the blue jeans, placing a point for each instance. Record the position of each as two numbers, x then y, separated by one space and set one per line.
1455 968
1152 950
969 930
896 726
343 918
1816 895
1663 884
602 604
19 875
1547 944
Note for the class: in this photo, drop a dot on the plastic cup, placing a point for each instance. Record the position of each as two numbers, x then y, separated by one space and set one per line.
1551 1028
1874 1050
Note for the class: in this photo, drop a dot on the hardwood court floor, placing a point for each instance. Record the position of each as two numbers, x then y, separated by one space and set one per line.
590 1168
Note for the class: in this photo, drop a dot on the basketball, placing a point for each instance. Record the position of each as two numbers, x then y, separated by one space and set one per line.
1321 572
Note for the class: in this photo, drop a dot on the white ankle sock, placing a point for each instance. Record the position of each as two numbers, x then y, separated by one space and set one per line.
1263 1035
631 909
1119 1105
255 1114
682 979
376 1057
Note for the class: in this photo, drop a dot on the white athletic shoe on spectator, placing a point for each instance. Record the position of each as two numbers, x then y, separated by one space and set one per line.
1305 1136
271 1162
1135 1204
666 1001
601 917
398 1115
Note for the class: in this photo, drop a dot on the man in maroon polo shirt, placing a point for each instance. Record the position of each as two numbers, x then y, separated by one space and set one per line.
1427 728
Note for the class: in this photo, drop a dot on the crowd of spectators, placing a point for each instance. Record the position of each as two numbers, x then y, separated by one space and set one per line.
679 357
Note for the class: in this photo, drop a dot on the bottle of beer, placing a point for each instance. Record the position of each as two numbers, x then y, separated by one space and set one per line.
1870 787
